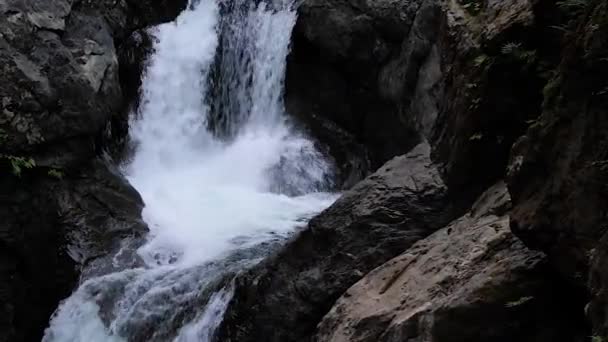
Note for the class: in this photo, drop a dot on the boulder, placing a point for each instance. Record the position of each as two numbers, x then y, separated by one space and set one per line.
285 297
472 280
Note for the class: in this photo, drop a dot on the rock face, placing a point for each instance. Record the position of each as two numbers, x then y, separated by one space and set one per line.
62 208
54 57
52 230
390 73
470 281
558 171
284 298
338 51
471 78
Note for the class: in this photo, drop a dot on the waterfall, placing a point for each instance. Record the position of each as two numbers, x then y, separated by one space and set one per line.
224 176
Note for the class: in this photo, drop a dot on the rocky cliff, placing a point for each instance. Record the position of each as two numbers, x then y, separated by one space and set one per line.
470 136
62 207
496 90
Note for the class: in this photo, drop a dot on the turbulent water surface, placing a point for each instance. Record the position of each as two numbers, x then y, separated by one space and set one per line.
223 175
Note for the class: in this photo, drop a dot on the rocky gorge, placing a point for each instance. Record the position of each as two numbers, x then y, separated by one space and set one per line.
469 138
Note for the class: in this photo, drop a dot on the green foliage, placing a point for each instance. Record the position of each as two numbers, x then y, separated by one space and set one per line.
19 163
597 338
481 60
56 173
518 52
519 302
473 7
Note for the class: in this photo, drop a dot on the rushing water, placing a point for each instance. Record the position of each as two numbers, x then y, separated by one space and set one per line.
223 175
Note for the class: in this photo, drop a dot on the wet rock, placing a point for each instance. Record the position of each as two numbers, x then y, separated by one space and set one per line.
285 297
470 281
558 174
332 75
434 70
53 232
101 218
62 209
53 57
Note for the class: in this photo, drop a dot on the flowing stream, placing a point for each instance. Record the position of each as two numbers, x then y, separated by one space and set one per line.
224 176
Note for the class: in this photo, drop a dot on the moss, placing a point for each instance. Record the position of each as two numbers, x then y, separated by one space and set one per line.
473 7
18 163
551 91
519 302
55 173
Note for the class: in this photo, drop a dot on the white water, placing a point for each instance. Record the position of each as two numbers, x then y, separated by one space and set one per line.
213 205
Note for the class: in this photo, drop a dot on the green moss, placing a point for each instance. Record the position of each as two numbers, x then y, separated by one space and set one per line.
473 7
517 52
56 173
551 91
481 60
18 164
519 302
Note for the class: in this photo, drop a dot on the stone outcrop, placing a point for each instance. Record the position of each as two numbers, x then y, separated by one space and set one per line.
558 171
470 281
338 51
62 207
52 230
437 70
284 297
495 87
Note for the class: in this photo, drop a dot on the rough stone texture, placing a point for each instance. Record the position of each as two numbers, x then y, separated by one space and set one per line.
495 59
470 281
440 70
34 272
339 48
60 75
472 77
51 230
285 297
558 171
100 215
60 95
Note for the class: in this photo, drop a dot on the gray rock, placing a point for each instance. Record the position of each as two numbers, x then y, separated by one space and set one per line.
339 49
285 297
559 169
470 281
59 91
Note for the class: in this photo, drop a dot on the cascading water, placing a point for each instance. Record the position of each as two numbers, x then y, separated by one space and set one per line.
223 176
